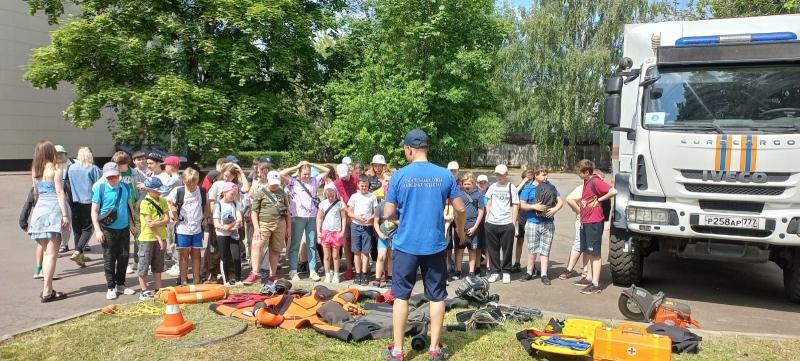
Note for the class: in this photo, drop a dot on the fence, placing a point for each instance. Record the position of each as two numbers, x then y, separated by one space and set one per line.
514 155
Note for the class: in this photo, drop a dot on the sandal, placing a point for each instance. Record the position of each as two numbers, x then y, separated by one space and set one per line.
54 296
567 275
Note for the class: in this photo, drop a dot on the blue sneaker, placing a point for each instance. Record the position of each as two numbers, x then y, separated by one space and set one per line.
264 273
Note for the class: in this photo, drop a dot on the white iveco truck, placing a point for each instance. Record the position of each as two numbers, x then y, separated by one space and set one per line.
706 127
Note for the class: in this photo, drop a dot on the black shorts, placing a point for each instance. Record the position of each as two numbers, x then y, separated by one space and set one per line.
592 238
434 274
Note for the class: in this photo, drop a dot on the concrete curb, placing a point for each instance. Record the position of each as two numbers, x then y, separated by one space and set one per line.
545 313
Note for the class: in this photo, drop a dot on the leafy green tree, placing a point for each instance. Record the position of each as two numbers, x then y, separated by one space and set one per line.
199 75
553 65
743 8
415 63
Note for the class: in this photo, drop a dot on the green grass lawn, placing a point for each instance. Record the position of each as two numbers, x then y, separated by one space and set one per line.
114 337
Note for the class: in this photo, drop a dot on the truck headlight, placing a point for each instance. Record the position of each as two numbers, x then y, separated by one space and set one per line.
651 216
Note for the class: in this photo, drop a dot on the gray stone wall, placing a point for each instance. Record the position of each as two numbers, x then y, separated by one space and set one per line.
515 155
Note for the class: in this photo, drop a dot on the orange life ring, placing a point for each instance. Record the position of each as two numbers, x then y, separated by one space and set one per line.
198 293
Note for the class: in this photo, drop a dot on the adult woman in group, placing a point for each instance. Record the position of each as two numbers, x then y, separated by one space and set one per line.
49 216
303 192
82 176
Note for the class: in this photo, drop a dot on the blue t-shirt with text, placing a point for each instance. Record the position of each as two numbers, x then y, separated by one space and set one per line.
529 195
109 199
420 190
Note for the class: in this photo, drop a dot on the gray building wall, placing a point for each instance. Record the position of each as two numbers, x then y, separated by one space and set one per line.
28 115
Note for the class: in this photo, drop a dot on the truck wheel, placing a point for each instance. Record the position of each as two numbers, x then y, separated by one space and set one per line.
791 279
627 265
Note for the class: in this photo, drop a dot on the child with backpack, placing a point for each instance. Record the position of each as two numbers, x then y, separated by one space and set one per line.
540 202
189 206
331 224
153 218
227 221
595 192
385 229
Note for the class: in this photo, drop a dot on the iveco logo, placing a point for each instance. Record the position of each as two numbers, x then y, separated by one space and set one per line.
741 177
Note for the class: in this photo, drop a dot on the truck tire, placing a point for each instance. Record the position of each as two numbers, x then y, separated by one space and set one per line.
627 267
791 279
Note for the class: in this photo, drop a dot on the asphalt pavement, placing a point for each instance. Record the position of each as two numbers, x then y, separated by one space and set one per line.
723 296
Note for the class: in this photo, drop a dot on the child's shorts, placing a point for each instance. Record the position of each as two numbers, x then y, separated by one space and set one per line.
360 238
150 256
592 238
384 243
472 242
330 239
189 241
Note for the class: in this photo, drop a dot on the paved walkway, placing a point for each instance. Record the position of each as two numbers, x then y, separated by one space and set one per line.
723 296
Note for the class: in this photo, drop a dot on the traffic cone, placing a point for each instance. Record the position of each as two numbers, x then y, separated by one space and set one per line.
174 325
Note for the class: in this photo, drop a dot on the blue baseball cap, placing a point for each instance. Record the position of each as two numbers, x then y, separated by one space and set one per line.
232 159
416 138
265 159
154 184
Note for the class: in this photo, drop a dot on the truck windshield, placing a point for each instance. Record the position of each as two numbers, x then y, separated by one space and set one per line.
763 98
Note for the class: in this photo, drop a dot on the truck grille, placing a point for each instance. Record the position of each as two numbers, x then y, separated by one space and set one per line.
771 176
756 233
712 205
729 189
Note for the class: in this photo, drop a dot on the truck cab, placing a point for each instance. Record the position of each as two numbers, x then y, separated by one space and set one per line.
706 144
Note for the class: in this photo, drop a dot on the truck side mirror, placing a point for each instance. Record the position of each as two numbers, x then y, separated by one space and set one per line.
613 101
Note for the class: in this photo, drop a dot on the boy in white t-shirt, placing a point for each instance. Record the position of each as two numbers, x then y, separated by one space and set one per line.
502 206
361 209
189 208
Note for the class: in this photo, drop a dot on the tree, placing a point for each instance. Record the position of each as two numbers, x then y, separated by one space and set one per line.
553 65
742 8
415 63
211 75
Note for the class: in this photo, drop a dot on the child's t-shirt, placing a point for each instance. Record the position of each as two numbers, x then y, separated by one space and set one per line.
503 196
363 205
472 203
576 195
333 219
191 218
225 213
157 209
591 210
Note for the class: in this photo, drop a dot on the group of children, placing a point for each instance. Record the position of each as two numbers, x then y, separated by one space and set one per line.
165 210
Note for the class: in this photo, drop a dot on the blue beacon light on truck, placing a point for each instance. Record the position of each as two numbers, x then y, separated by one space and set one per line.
736 38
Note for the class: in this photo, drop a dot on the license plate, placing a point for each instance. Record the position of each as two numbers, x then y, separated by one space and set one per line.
732 222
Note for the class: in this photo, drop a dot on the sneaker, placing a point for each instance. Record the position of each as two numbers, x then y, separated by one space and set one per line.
314 276
78 259
129 270
591 290
328 277
455 276
388 356
516 268
264 273
124 290
252 278
506 278
439 354
294 276
38 274
174 271
335 278
348 274
87 249
494 277
63 249
527 277
84 258
582 282
376 283
111 294
546 280
147 295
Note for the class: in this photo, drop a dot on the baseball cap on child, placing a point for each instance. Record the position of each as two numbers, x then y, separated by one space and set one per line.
342 170
452 165
173 161
155 157
60 149
483 178
378 159
501 169
347 160
154 184
229 186
110 169
232 159
274 178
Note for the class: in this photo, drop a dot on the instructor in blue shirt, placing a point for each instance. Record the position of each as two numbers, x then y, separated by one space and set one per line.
417 194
